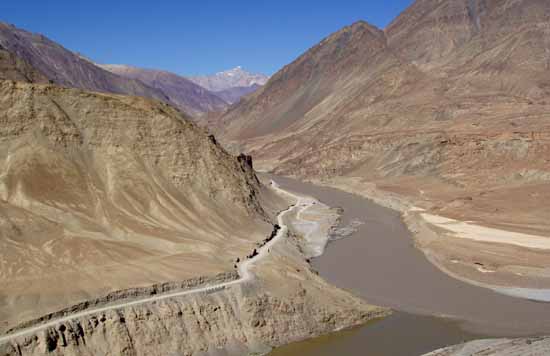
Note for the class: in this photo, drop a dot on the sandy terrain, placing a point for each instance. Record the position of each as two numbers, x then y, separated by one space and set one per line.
469 230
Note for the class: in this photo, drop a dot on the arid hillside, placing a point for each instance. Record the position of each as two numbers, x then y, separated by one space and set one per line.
66 68
100 192
447 108
188 96
14 68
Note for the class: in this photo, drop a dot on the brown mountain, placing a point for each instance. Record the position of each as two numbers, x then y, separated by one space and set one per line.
190 97
233 95
66 68
447 108
14 68
106 192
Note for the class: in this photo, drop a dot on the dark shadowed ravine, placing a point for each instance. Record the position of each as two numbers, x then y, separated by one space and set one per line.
380 263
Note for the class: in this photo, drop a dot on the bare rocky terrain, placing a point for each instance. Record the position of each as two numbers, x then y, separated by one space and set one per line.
185 94
229 79
234 94
444 110
66 68
109 192
107 198
15 68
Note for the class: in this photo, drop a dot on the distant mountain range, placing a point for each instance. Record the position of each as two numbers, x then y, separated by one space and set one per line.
190 97
52 62
231 84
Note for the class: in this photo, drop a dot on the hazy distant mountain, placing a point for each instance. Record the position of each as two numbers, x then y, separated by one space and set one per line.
66 68
231 84
236 77
232 95
190 97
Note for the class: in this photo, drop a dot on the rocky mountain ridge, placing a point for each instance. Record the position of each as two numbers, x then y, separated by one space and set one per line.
231 78
109 192
66 68
185 94
446 107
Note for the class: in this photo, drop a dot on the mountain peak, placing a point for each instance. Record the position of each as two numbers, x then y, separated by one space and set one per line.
231 78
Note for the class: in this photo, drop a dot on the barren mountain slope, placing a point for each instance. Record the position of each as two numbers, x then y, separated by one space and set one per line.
100 192
447 108
66 68
233 95
190 97
14 68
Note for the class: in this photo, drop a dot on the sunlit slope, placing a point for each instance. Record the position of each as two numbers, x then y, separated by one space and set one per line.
100 192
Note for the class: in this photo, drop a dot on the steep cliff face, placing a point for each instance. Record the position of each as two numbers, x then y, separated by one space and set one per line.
100 192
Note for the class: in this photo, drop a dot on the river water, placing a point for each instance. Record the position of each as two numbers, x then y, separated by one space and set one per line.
379 262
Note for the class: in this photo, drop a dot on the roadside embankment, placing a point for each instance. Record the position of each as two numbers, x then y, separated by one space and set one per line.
283 301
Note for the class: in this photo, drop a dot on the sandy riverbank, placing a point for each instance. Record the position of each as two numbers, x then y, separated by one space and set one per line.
509 262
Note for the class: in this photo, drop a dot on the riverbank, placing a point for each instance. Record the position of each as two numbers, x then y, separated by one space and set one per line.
535 346
380 262
509 262
280 300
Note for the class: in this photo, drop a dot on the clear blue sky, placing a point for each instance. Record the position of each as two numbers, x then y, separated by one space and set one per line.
194 36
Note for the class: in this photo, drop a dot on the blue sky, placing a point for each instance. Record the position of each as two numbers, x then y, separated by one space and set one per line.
194 37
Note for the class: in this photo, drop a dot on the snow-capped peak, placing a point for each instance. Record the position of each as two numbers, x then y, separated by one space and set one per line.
231 78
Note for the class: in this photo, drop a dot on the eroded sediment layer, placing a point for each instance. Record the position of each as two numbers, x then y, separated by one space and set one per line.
129 295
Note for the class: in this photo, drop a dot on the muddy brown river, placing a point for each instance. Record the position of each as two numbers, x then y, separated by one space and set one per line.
432 309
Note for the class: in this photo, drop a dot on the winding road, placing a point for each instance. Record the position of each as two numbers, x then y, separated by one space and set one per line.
244 270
